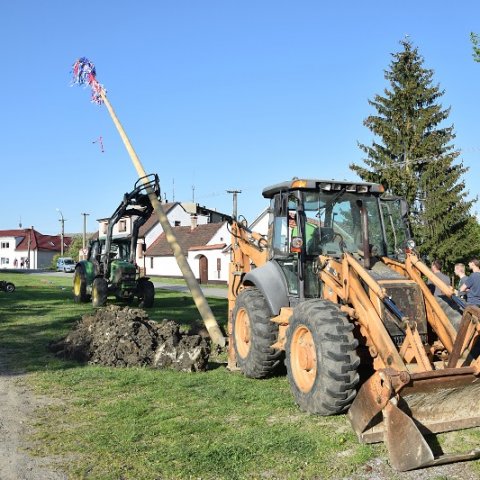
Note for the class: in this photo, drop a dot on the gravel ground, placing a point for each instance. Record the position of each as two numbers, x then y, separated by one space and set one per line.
17 413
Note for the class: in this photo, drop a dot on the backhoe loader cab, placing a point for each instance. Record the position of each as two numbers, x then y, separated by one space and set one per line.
336 291
311 218
110 268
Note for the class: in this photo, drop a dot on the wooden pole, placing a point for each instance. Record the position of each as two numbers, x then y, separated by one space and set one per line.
197 294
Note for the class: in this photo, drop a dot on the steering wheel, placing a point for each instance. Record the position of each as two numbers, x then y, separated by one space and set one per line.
330 237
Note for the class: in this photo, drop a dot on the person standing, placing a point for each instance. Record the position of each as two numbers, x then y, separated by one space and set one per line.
437 270
472 283
459 271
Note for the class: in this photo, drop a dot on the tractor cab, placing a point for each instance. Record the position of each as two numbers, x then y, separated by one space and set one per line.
310 218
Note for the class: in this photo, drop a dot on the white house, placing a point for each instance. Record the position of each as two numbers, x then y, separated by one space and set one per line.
203 245
260 224
206 247
202 234
27 248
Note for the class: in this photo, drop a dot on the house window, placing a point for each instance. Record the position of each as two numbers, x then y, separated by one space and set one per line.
4 261
5 244
122 226
151 262
219 264
104 227
177 223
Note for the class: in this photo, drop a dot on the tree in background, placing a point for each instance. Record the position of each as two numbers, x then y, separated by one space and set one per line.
414 158
476 46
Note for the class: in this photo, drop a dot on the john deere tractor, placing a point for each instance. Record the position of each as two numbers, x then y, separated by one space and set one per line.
110 267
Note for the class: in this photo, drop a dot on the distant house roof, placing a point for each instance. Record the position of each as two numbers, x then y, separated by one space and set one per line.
188 239
153 220
31 238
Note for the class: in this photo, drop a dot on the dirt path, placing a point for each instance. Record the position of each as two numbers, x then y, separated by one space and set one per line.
17 408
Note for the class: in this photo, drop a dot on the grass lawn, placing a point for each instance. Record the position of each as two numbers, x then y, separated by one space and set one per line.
139 423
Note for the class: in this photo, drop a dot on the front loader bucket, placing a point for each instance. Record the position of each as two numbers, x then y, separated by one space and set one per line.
401 408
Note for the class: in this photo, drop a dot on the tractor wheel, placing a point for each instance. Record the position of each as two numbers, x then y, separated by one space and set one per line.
80 285
254 334
146 293
99 292
9 287
321 358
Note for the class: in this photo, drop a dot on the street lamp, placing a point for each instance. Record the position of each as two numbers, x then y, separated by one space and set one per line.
62 220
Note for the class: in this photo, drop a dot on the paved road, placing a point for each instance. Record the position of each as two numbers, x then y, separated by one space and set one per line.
207 291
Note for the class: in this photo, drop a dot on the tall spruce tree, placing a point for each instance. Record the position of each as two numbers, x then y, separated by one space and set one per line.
415 158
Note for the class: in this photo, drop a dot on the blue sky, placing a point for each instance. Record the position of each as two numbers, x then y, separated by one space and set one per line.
214 95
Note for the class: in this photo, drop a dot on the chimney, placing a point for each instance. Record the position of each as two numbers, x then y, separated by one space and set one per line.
194 219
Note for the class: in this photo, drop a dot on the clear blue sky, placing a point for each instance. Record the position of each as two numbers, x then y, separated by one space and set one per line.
218 95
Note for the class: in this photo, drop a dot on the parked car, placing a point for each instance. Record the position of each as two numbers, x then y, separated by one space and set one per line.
66 264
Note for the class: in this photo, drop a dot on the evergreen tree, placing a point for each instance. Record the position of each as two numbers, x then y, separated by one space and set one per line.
476 46
414 158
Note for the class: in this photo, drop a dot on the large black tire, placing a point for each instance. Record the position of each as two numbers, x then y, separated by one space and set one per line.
254 334
80 285
99 292
321 358
146 293
9 287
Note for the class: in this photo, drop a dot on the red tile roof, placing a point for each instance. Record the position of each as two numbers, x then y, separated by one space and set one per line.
216 246
36 240
153 220
187 238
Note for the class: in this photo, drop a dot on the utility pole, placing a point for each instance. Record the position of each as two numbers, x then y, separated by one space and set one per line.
235 195
84 243
29 242
62 235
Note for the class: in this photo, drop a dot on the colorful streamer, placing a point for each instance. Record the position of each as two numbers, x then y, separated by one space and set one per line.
100 141
84 74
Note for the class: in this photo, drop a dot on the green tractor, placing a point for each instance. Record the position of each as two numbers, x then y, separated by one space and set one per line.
110 267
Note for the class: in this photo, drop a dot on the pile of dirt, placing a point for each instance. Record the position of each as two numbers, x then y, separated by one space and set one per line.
125 337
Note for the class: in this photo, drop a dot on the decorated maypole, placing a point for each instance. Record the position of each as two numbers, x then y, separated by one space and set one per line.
84 74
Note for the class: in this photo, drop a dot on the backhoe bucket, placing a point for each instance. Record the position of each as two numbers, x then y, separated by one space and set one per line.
401 408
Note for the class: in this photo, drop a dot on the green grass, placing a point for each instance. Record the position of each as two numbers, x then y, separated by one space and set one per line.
181 281
139 423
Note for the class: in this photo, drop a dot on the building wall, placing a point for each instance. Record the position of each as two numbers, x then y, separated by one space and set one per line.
176 214
7 253
168 267
221 236
218 259
162 266
218 262
44 259
123 228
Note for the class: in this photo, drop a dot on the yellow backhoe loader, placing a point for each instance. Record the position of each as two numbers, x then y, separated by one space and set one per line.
337 292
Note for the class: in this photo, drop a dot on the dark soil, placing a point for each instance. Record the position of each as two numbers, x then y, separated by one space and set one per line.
125 337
